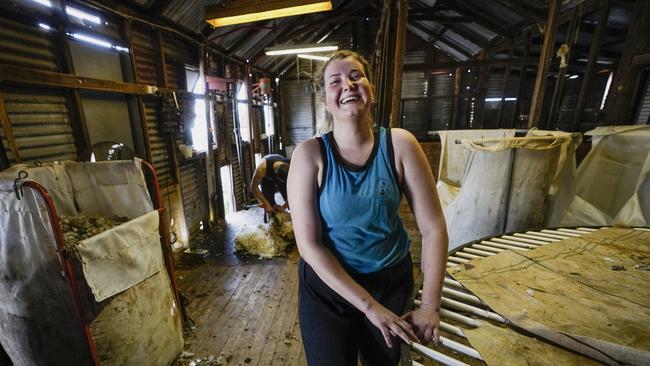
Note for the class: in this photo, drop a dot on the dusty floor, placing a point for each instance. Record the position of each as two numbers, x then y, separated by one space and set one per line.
245 308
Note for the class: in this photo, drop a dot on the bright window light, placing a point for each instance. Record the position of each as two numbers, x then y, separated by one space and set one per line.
44 26
313 57
242 112
89 39
499 99
44 2
97 42
609 84
200 129
269 125
82 15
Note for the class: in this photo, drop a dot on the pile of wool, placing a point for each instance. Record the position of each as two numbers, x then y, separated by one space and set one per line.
78 228
266 240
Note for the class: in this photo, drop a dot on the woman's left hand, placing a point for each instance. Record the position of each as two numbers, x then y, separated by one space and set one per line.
426 323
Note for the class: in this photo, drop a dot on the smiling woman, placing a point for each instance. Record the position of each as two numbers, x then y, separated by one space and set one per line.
345 189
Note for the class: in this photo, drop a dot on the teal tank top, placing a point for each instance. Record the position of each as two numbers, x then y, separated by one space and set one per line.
359 208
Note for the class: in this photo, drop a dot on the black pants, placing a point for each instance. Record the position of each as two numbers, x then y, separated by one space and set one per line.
334 332
270 188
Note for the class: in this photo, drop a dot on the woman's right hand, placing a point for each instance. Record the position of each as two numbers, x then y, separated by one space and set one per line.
390 324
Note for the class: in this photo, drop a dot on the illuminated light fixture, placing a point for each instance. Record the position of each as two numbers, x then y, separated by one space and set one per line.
82 14
276 51
44 2
314 57
44 26
245 11
89 39
97 42
499 99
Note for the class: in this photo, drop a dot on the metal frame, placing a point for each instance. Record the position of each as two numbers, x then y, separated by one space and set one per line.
67 267
456 299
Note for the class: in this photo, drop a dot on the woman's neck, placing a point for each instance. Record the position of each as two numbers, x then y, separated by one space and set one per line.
352 135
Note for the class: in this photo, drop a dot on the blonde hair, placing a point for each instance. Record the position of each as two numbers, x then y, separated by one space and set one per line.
326 122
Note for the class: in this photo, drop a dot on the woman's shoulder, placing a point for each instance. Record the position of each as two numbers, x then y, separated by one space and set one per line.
308 149
402 138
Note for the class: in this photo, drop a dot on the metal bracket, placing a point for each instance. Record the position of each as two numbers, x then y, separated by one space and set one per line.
18 185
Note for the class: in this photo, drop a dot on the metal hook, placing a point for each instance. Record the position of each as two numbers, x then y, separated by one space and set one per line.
18 186
38 163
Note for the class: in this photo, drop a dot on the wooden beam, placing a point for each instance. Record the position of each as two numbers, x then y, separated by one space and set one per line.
596 42
400 46
470 9
441 66
469 35
544 61
641 60
73 97
141 117
619 102
158 8
27 76
500 43
480 92
453 124
506 80
9 135
522 81
558 91
522 9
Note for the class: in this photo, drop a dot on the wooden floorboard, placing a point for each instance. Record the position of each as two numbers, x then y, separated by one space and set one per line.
244 308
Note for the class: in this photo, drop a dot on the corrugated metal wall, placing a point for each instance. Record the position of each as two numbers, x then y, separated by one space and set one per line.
298 109
441 92
143 50
39 118
194 191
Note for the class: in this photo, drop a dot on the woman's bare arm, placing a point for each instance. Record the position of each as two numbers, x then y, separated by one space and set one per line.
303 182
420 189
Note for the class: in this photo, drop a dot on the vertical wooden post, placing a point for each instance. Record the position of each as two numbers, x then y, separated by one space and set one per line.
618 106
523 76
544 61
400 46
138 114
453 124
161 73
73 97
481 91
9 135
504 86
558 91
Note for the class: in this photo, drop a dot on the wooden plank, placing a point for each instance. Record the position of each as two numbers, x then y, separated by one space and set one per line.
286 343
22 75
442 66
244 321
522 82
9 135
400 46
269 313
544 62
506 79
619 103
277 334
220 314
453 124
558 91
